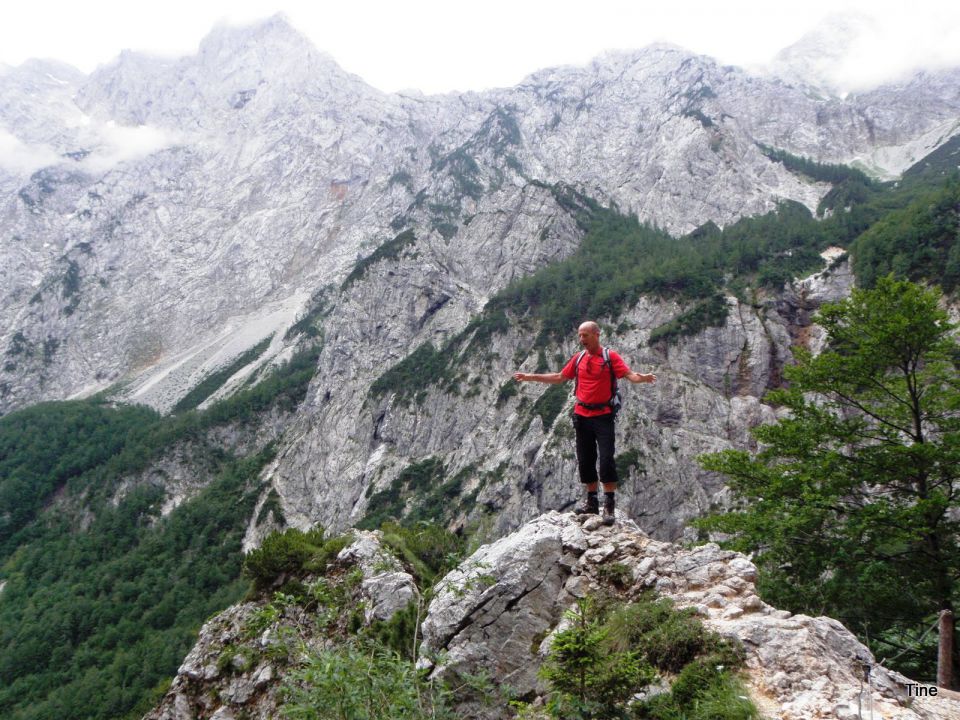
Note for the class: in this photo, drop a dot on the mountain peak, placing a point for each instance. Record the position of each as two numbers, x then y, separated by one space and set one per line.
274 33
818 58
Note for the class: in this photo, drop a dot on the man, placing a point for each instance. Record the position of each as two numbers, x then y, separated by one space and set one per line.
593 417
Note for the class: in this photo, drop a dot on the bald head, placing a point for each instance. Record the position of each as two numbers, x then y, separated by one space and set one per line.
589 335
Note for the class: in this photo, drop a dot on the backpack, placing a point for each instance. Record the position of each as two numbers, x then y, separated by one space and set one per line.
615 401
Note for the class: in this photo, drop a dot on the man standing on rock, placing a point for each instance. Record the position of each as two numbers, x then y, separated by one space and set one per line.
594 413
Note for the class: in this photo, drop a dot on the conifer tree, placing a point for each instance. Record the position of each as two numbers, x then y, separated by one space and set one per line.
851 504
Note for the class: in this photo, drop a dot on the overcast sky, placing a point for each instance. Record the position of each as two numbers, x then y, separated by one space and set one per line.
443 45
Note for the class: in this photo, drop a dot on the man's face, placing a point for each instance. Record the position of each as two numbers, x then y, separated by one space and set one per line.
589 338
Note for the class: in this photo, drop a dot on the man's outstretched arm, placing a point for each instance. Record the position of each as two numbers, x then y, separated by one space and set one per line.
636 377
549 378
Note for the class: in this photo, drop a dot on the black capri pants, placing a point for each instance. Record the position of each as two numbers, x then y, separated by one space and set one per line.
595 440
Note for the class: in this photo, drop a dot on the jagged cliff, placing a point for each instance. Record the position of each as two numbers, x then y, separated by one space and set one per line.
495 614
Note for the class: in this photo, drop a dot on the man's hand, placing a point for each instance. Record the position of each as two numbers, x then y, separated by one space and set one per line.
636 377
521 377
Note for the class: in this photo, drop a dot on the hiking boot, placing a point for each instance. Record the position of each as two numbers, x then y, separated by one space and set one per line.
588 506
608 514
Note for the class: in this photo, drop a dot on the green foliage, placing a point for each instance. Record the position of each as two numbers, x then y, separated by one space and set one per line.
508 390
47 445
550 403
422 368
617 575
401 177
281 554
588 677
501 130
215 380
400 634
611 650
283 388
852 502
702 691
919 242
936 167
428 549
358 681
103 595
620 259
627 460
307 325
419 478
463 170
668 638
390 250
91 622
820 172
709 313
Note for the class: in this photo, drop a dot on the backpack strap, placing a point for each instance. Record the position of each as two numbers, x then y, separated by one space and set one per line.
576 372
613 377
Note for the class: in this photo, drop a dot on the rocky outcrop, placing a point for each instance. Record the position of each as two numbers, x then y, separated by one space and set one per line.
491 614
495 614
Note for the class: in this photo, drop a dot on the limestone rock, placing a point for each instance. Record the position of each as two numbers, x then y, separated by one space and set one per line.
386 587
797 667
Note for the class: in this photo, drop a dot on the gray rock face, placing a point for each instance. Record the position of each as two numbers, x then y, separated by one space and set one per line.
510 592
386 586
797 666
706 398
179 205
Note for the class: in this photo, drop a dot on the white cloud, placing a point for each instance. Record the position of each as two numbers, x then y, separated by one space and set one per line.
437 45
116 144
896 44
18 158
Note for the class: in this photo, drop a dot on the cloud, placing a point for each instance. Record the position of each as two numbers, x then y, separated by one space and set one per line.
117 144
18 158
896 45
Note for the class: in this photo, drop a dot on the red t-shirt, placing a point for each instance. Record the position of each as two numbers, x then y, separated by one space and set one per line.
593 387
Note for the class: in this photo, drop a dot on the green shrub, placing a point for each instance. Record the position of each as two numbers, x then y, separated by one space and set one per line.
282 554
361 681
668 638
400 634
213 382
710 313
390 250
702 691
612 650
419 479
589 677
428 549
550 403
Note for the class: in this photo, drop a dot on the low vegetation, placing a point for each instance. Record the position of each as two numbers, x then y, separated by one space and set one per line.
103 595
605 664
